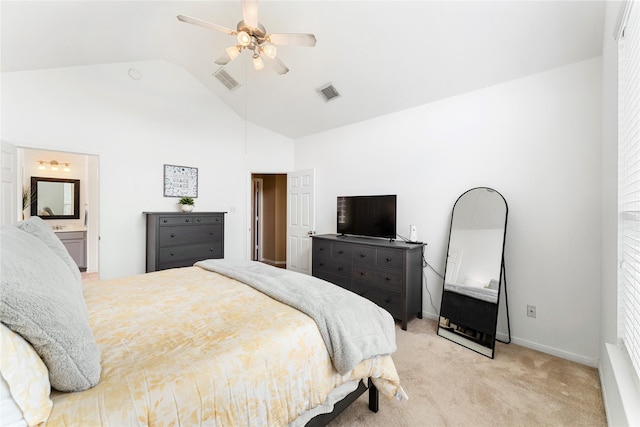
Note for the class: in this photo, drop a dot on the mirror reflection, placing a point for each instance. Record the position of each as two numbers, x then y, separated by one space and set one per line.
473 271
55 198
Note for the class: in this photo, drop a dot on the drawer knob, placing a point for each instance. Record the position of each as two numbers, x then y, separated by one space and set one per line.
172 253
321 249
199 219
362 273
187 220
339 268
217 219
211 233
321 264
210 249
388 300
165 221
387 278
173 235
341 252
388 259
362 255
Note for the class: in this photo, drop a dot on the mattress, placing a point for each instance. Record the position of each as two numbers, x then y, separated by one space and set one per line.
189 346
478 292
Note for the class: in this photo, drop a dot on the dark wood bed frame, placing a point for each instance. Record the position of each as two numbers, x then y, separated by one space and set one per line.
324 419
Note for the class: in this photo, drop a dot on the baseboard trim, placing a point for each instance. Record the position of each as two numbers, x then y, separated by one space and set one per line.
535 346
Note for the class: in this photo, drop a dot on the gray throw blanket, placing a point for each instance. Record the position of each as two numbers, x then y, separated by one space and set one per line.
353 328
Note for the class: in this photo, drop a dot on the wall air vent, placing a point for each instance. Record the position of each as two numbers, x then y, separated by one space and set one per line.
328 92
226 79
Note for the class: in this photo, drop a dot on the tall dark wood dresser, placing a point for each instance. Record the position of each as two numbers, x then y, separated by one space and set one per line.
177 239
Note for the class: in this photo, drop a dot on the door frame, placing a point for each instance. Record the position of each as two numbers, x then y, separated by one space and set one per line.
249 210
93 199
257 230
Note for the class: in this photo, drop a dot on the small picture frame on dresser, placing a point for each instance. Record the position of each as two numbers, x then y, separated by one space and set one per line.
180 181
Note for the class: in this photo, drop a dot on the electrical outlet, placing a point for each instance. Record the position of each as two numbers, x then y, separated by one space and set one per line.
531 311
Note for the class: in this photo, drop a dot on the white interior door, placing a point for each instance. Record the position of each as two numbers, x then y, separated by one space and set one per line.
454 260
9 188
300 219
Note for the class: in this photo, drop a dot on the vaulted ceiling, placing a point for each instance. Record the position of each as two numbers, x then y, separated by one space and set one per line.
381 56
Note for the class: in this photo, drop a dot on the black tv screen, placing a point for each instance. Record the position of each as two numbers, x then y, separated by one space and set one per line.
373 216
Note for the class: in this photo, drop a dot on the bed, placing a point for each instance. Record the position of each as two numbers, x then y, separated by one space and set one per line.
487 293
188 346
470 306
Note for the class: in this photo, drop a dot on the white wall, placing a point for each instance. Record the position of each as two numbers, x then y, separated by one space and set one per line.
537 141
135 127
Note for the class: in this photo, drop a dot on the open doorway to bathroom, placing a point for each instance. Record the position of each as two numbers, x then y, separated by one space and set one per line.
79 235
269 218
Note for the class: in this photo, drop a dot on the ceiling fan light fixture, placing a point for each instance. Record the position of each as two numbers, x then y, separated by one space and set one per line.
258 64
233 51
270 50
244 38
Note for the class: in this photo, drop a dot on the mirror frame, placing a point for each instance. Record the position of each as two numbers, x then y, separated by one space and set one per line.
457 338
76 197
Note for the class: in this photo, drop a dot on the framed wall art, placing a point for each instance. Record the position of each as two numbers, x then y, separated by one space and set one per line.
180 181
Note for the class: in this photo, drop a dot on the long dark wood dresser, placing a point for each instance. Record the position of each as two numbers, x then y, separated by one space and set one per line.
388 273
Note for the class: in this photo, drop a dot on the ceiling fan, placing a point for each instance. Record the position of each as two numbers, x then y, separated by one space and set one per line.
251 35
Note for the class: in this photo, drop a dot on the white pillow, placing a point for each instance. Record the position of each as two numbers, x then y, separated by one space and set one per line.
25 401
11 413
494 284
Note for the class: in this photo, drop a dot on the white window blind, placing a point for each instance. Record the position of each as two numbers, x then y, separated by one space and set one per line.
629 180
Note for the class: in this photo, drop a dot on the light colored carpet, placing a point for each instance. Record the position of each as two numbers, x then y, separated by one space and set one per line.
449 385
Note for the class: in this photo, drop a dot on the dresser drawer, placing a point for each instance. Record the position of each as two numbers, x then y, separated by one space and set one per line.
364 255
175 220
181 234
190 252
208 219
71 235
376 277
332 266
389 258
389 300
341 251
343 282
321 249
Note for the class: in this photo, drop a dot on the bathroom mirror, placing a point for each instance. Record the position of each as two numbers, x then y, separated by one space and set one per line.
55 198
474 270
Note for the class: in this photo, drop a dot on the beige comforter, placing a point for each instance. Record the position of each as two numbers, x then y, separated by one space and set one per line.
188 346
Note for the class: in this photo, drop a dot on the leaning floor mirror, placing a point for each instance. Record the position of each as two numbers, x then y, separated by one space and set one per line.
474 270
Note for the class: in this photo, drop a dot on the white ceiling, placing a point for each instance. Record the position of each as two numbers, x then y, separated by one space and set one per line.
382 56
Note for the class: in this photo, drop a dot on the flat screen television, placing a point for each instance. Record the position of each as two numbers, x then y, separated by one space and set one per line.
373 216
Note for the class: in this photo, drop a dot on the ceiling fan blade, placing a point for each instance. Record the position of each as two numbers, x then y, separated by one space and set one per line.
277 65
292 39
206 24
250 13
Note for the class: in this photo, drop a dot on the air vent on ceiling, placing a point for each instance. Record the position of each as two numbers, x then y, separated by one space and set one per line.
328 92
224 77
